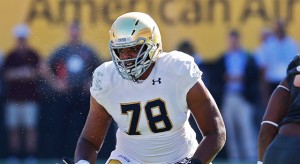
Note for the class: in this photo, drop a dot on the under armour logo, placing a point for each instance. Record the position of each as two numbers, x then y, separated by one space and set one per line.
154 81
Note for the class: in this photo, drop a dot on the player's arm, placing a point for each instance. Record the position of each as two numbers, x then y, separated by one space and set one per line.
277 108
209 120
93 134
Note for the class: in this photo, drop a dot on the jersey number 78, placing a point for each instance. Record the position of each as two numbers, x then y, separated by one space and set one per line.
153 119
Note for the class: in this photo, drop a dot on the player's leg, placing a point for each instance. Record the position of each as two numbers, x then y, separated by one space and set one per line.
12 123
229 115
247 131
30 116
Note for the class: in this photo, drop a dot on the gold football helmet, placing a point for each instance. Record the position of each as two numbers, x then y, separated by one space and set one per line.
130 30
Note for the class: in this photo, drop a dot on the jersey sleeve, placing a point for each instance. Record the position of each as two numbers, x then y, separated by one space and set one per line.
100 83
188 71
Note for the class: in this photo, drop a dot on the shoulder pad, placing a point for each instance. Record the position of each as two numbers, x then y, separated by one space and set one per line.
182 64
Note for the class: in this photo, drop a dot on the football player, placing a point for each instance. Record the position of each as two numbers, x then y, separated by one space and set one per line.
150 94
279 137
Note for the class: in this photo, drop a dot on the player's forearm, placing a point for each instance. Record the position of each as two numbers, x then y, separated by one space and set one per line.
264 140
85 151
210 146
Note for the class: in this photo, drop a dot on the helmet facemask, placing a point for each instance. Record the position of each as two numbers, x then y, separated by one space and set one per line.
132 69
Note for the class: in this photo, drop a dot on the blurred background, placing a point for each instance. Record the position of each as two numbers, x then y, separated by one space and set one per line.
49 49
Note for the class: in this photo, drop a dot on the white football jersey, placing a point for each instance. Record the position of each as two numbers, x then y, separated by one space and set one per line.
152 116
